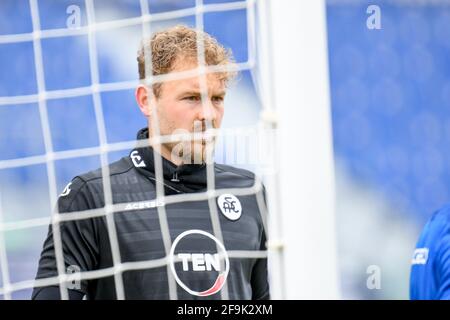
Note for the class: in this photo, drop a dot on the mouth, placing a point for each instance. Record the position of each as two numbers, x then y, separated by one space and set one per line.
202 142
204 137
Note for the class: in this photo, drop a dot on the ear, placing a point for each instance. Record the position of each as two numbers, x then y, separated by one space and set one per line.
143 99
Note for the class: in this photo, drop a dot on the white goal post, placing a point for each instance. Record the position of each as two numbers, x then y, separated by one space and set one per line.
294 85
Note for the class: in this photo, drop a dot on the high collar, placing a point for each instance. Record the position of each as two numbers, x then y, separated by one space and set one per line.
187 176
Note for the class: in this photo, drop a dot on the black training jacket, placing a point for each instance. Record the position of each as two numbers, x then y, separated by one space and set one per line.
197 264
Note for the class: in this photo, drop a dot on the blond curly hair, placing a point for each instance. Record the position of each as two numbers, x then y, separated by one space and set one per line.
180 42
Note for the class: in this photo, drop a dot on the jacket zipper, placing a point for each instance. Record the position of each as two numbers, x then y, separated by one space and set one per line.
175 177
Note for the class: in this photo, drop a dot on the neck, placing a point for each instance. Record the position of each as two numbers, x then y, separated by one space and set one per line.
166 154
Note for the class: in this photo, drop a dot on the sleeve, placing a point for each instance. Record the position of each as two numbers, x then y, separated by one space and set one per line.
443 268
53 293
79 242
260 280
260 276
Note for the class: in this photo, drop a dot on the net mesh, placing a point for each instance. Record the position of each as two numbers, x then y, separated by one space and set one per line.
95 89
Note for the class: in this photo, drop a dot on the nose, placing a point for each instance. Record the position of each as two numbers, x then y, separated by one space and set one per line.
208 112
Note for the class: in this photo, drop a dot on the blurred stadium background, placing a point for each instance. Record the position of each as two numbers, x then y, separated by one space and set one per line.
390 90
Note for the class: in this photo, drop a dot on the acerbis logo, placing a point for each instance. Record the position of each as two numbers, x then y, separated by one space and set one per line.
144 205
199 267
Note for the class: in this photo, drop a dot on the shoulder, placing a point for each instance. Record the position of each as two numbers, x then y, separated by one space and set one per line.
439 222
233 171
442 213
237 177
116 168
85 190
435 235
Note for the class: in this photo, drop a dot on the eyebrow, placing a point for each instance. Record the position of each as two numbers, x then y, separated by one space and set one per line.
197 93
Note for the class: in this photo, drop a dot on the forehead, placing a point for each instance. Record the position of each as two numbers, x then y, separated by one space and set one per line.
214 81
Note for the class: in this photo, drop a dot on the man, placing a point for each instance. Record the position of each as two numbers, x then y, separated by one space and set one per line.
430 272
199 265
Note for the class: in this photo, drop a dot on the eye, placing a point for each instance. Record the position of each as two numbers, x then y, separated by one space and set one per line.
218 99
192 98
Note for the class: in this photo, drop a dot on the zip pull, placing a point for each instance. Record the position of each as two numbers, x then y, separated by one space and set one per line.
175 177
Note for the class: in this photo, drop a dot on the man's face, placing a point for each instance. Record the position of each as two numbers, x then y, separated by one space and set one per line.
180 109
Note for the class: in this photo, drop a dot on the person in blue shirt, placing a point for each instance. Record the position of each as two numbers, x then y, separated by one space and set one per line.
430 270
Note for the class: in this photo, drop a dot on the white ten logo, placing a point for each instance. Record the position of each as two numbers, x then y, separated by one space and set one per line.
201 262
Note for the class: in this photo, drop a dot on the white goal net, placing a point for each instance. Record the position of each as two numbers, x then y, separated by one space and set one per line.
287 145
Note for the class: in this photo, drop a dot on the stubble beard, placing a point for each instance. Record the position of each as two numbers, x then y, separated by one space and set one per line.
194 150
